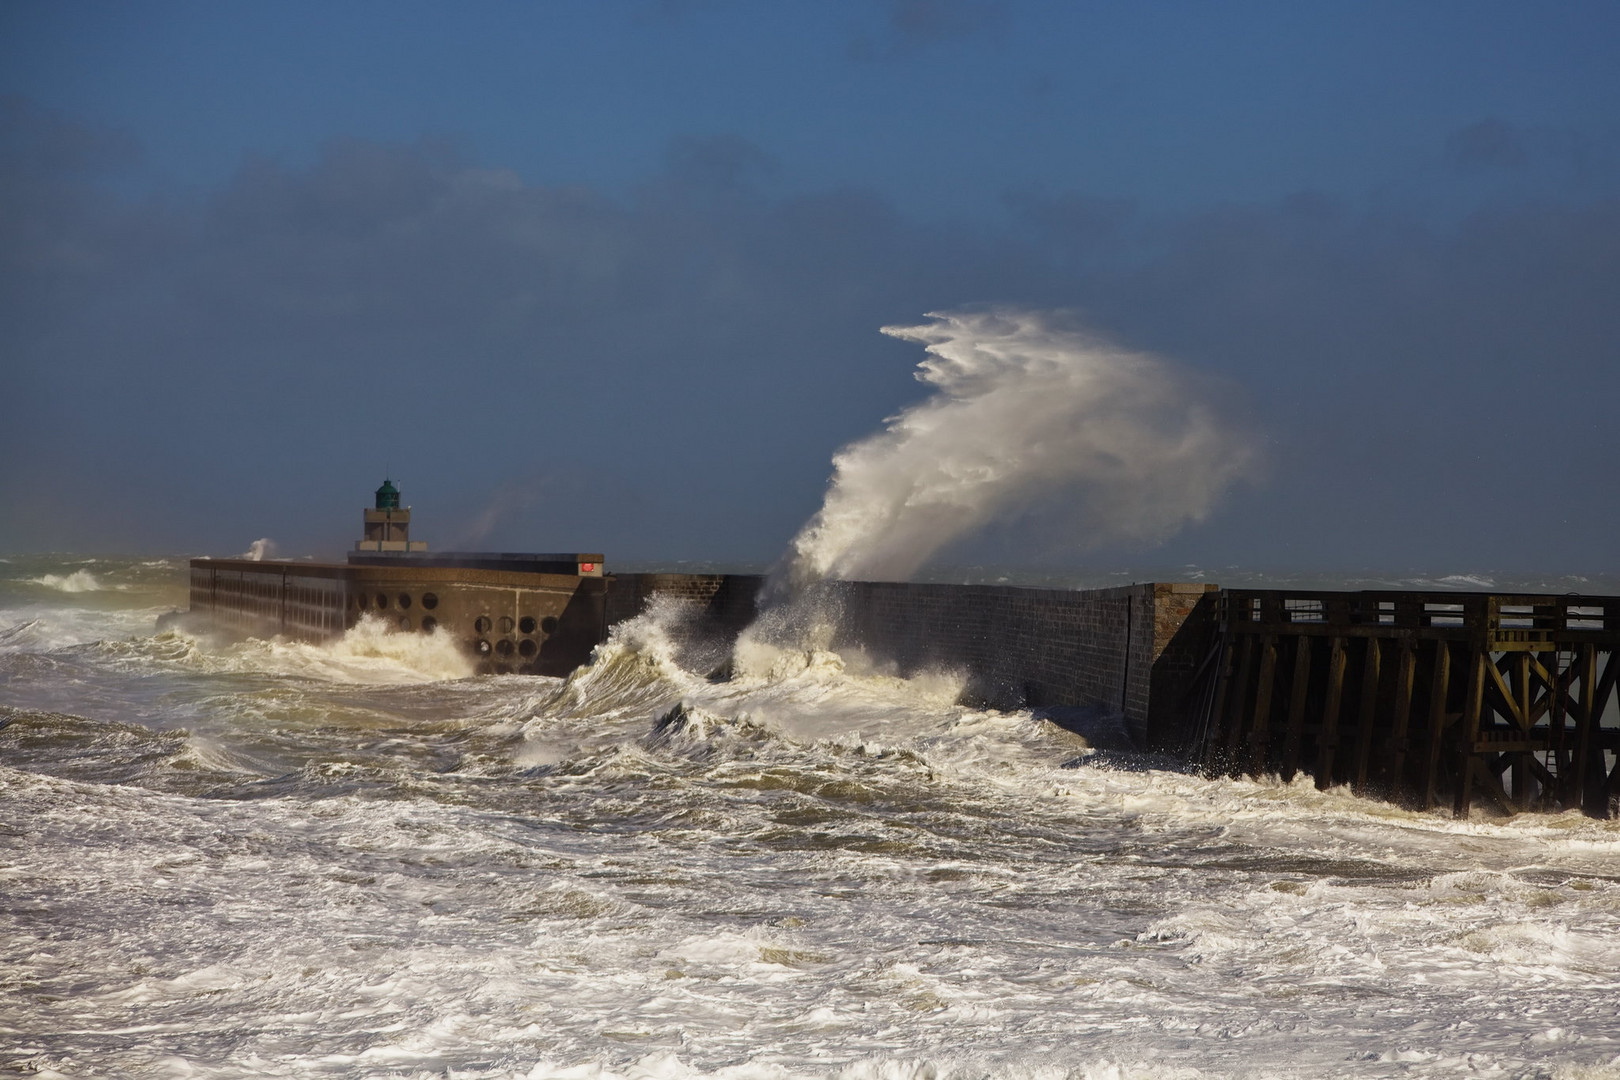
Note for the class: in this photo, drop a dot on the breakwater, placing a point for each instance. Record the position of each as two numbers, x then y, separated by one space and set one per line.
534 615
215 841
1428 699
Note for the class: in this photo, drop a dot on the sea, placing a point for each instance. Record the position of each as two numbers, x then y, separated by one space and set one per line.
359 859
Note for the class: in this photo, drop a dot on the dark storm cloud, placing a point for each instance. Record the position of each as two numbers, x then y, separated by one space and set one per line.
1076 228
1418 380
910 25
393 303
1488 144
50 143
1494 144
667 374
922 21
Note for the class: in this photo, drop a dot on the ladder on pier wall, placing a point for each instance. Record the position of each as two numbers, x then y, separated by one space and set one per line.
1419 698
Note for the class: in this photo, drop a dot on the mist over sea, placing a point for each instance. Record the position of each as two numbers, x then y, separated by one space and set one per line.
271 859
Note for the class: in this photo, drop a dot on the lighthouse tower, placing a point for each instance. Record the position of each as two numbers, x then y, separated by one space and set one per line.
388 525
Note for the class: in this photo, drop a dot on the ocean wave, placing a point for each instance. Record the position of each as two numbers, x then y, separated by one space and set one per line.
1465 581
369 653
14 634
79 581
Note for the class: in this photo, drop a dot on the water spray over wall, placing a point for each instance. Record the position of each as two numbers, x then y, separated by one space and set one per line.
1028 411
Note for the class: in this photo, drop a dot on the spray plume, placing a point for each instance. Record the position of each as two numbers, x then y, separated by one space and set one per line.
261 549
1027 411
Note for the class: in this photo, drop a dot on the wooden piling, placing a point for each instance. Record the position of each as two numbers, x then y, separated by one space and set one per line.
1519 692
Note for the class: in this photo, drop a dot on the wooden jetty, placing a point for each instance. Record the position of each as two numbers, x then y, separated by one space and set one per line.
1422 698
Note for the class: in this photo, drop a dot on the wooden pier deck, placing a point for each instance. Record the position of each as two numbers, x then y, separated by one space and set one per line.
1422 698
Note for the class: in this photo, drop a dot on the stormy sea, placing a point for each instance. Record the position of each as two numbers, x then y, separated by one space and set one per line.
261 858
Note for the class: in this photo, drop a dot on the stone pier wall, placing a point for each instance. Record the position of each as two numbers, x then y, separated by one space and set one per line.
1132 650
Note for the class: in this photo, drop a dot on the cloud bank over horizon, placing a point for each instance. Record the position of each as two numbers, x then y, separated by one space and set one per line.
665 372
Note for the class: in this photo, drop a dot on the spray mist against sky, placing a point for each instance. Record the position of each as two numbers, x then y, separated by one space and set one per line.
1024 412
609 277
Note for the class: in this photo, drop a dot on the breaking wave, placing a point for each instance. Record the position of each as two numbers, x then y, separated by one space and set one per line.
371 652
79 581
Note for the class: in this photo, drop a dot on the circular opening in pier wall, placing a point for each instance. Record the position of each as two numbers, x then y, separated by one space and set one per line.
382 600
481 647
504 646
527 647
526 624
429 623
548 624
404 600
507 624
482 624
430 600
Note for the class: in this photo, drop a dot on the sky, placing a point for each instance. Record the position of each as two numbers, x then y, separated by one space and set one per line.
611 276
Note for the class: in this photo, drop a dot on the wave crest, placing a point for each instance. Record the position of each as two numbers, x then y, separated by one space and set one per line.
79 581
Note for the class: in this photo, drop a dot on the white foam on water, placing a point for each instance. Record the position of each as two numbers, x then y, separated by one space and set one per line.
795 693
369 653
814 868
78 581
47 628
1465 581
431 936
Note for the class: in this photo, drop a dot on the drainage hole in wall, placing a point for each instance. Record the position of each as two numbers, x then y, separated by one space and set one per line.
507 624
481 647
527 647
404 622
504 646
548 624
404 600
430 600
382 600
526 624
482 624
429 623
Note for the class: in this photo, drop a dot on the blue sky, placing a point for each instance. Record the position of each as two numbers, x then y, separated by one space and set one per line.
620 267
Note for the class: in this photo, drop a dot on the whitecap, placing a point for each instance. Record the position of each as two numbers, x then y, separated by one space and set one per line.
77 582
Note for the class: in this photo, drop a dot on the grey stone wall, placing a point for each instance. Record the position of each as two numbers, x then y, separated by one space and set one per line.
1132 650
725 601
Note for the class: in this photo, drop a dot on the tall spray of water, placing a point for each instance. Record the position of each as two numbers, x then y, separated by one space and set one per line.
1027 411
261 549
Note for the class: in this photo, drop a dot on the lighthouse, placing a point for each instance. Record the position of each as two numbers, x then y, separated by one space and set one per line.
388 525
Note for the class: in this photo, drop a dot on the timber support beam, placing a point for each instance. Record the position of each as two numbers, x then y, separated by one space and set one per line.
1422 698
